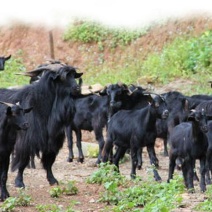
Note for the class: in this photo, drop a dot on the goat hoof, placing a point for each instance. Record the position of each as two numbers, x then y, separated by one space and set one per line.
80 160
19 184
191 190
70 160
158 179
139 167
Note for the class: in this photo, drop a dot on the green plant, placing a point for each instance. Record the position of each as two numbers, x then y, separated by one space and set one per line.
106 173
207 204
67 188
86 31
56 208
93 151
23 199
148 195
49 208
8 205
56 192
111 194
181 58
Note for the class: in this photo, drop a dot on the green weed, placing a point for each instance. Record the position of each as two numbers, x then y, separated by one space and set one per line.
67 188
207 204
23 199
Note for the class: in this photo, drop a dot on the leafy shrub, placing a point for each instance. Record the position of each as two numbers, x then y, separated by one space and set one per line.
85 32
181 58
67 188
105 173
92 32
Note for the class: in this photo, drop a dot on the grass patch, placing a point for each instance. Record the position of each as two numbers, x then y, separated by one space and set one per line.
9 76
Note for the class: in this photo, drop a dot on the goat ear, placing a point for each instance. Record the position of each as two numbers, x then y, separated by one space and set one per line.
28 110
80 82
103 92
191 116
185 104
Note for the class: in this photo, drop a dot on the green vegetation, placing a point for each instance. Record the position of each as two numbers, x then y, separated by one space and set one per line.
138 195
183 58
54 208
114 55
105 173
111 55
67 188
23 199
92 151
93 32
207 204
9 76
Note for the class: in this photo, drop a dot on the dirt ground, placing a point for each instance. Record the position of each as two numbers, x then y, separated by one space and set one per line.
33 43
88 194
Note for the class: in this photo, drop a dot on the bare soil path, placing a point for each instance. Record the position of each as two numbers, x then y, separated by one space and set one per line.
38 188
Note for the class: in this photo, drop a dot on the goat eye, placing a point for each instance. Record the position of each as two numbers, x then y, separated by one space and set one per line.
156 104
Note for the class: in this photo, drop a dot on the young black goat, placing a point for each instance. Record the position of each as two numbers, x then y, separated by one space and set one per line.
135 129
11 119
188 143
92 114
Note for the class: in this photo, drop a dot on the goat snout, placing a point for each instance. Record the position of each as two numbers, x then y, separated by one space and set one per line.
25 126
115 104
165 114
205 129
76 89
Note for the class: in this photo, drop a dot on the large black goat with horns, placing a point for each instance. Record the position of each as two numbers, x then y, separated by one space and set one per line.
53 108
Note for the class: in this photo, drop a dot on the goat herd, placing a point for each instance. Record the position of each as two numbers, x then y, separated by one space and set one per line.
36 119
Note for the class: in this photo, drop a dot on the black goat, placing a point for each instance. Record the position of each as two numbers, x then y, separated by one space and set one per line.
177 105
11 119
188 143
53 108
207 107
92 114
2 62
135 129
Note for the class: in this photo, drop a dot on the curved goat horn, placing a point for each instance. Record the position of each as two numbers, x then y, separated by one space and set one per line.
6 103
25 74
50 67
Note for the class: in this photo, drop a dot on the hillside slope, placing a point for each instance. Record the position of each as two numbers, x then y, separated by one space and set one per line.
33 41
